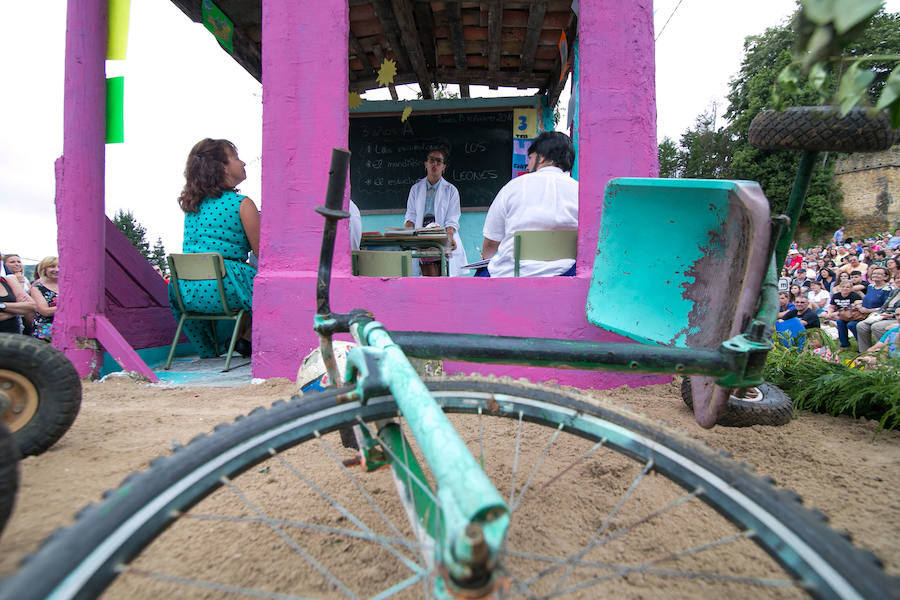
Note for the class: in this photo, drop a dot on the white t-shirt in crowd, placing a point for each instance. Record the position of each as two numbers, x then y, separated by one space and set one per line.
544 200
819 297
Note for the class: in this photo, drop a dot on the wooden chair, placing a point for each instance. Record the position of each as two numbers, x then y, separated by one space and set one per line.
553 244
382 263
206 266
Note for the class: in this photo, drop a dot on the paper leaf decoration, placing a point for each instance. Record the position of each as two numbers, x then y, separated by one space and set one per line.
386 72
406 112
354 100
218 24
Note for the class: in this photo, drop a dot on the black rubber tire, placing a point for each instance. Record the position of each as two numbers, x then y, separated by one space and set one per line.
56 386
821 128
74 564
765 405
9 474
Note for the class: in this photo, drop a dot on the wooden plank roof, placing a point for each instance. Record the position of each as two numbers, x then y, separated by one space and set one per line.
509 43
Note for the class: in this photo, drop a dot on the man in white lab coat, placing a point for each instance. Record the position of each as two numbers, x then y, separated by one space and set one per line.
433 199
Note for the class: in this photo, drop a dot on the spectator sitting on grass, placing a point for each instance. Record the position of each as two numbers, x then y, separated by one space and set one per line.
807 315
886 345
844 299
785 305
859 286
818 297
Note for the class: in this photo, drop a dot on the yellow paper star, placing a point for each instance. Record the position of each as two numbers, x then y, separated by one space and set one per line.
354 99
386 72
406 112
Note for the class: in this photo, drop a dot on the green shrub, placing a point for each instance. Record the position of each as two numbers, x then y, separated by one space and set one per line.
837 388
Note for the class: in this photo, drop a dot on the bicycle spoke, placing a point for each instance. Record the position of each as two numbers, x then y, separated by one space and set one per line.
593 448
512 485
209 585
340 508
577 556
642 568
288 539
396 589
536 468
349 533
358 485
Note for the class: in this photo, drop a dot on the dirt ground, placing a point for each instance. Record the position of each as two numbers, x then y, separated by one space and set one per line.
841 466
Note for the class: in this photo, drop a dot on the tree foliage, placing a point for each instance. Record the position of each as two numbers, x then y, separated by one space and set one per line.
137 234
725 152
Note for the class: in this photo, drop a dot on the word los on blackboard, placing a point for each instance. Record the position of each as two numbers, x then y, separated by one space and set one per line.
388 157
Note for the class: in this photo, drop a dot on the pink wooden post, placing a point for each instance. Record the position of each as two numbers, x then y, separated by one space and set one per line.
80 217
79 203
305 114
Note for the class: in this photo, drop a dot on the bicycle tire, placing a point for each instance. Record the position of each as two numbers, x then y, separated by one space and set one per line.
79 562
46 390
821 129
765 404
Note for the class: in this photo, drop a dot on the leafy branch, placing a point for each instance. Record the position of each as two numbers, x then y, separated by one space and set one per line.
824 30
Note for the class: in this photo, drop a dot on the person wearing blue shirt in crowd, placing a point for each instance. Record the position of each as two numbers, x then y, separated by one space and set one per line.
839 236
894 242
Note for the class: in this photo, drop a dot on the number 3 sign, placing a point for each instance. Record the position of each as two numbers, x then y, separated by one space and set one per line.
525 123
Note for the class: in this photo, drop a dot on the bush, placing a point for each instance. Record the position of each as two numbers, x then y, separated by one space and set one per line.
837 388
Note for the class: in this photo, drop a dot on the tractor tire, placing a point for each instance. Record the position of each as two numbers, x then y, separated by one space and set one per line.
40 392
821 128
762 405
9 474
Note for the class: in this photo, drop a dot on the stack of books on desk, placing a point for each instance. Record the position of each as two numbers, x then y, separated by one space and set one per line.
418 232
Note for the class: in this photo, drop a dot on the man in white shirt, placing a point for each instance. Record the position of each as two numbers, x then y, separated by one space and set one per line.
545 198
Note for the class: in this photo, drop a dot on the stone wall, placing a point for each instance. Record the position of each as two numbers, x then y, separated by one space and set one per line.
871 185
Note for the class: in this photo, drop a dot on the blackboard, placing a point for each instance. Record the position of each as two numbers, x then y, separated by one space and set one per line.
387 156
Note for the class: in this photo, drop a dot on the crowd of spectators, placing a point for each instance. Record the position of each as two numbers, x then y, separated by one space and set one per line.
850 287
28 307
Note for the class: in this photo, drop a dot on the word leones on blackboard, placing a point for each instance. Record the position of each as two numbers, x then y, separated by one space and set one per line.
388 156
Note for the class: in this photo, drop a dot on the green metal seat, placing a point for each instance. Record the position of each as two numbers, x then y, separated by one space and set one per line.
552 244
206 266
382 263
680 262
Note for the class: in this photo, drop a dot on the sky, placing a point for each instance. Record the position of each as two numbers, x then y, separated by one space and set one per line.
181 87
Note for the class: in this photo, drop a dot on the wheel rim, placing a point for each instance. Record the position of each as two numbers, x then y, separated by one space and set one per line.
753 394
19 399
648 455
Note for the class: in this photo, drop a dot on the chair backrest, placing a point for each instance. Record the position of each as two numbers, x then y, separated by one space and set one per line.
552 244
679 261
204 266
382 263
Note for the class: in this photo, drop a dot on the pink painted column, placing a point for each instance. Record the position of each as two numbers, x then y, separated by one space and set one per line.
305 115
80 184
617 106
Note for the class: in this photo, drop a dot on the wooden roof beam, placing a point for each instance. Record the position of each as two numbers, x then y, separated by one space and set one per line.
401 78
409 37
500 78
424 20
360 52
389 25
454 18
246 50
535 24
495 24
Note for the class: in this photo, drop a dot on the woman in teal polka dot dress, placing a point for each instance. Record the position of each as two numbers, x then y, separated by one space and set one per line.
217 219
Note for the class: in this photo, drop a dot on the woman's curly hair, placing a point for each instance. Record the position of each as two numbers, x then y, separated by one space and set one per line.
204 173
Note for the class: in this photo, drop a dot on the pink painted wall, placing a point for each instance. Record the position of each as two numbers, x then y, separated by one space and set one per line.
80 182
305 115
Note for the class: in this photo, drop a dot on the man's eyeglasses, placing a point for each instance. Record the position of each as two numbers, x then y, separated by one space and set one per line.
436 161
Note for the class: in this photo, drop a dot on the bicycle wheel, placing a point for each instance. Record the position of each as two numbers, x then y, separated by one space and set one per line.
601 501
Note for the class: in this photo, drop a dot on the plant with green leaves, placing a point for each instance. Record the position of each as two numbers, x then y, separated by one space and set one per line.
826 29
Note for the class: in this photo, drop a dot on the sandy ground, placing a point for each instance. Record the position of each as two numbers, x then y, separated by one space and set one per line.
841 466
